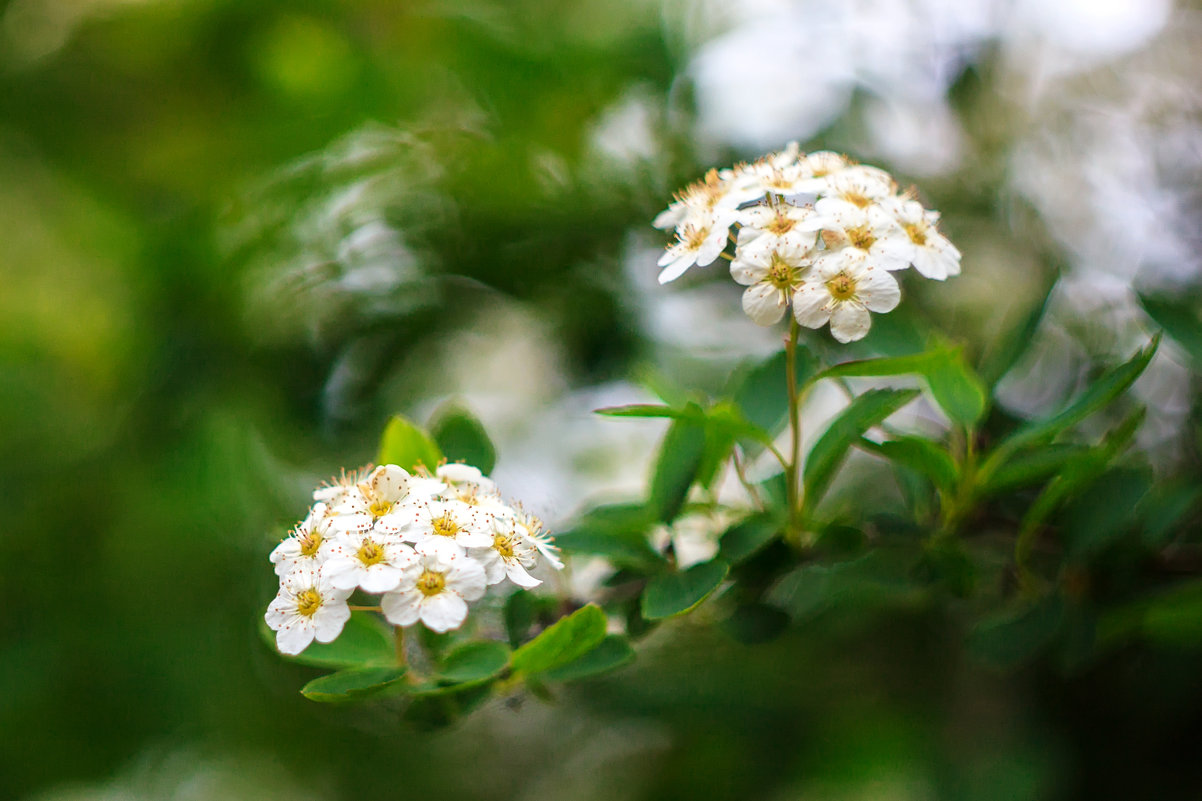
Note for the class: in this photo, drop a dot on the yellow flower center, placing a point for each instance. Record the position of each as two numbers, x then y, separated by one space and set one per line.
379 508
841 287
917 232
430 583
856 198
370 553
309 543
695 237
503 545
308 602
781 224
781 275
444 526
861 237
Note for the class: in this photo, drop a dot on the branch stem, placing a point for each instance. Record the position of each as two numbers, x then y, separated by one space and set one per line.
793 490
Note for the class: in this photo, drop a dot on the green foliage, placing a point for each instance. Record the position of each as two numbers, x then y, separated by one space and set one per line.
618 532
474 661
611 653
862 413
760 394
462 438
920 455
670 594
1179 317
561 643
749 535
406 445
354 684
680 460
365 642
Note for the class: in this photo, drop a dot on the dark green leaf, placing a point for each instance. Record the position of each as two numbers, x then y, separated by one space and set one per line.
364 642
1032 467
462 438
762 394
407 446
610 654
755 623
520 609
747 536
617 532
1104 510
679 460
920 455
562 642
474 661
1179 317
1175 616
863 413
1015 637
438 707
1163 508
354 684
879 579
670 594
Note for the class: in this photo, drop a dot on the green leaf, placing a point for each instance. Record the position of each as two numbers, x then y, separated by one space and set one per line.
863 413
1014 637
610 654
1179 318
920 455
762 394
462 438
755 623
562 642
680 457
1007 348
748 536
364 642
1174 617
1106 388
643 410
519 613
353 684
1032 467
407 446
670 594
955 387
877 580
474 661
1163 508
1093 519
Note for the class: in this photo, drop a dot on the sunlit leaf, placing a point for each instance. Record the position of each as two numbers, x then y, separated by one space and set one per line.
562 642
406 445
670 594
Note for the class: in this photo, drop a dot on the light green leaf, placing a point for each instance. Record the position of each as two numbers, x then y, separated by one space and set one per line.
474 661
680 457
462 438
920 455
407 446
863 413
747 537
610 654
670 594
641 410
561 643
956 388
354 684
364 642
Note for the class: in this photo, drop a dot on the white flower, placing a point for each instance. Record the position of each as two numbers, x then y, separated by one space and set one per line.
372 560
859 186
842 288
771 276
697 243
308 545
335 489
531 528
871 230
307 607
715 197
781 223
933 255
436 591
448 526
380 502
510 554
467 484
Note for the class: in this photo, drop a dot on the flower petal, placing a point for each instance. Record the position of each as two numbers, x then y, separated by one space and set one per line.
764 304
443 612
403 607
811 305
849 322
878 291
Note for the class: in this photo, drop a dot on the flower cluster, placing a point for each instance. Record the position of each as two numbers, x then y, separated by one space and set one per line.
818 231
429 544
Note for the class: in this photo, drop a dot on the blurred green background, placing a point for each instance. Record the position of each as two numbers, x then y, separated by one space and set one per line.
234 237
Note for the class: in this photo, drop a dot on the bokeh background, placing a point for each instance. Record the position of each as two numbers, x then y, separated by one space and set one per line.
236 236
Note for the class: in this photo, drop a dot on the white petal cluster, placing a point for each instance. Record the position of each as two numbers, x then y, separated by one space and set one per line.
817 232
428 544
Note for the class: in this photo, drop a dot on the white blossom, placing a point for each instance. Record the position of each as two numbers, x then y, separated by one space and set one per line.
448 525
843 289
933 255
871 230
697 243
374 561
436 591
510 556
771 276
307 545
531 528
308 607
380 502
